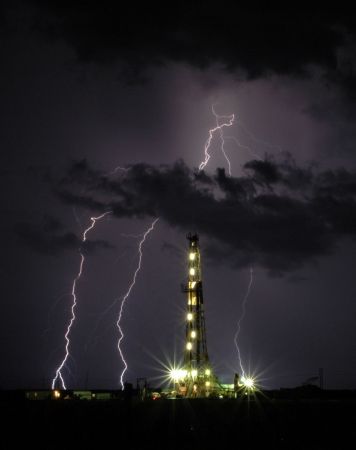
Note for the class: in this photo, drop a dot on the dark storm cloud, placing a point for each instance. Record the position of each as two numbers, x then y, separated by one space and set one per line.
286 172
50 238
259 41
265 171
80 169
264 217
83 200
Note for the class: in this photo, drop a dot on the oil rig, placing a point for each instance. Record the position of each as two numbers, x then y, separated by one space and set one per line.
196 377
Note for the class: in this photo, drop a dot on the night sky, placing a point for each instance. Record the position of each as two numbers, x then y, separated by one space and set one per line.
87 87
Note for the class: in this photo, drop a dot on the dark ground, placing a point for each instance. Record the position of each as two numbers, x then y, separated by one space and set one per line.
275 423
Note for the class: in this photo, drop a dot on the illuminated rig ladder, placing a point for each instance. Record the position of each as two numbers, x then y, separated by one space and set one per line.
198 380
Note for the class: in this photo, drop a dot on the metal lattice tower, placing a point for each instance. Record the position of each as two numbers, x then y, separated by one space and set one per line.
198 379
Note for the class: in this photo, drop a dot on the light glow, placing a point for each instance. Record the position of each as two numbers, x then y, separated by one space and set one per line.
248 382
190 316
189 346
57 394
177 374
192 256
192 271
193 334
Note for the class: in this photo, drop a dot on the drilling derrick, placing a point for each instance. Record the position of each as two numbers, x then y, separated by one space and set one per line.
196 377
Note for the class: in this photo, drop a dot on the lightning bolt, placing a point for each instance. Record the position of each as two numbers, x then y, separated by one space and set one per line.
217 117
126 296
243 312
227 121
219 127
59 374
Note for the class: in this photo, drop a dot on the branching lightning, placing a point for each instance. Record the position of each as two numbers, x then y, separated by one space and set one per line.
225 122
59 374
243 312
219 126
125 297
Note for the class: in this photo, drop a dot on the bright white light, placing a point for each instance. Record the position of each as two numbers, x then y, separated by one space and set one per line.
189 346
190 316
207 383
177 374
192 256
192 271
248 382
194 373
207 372
193 334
